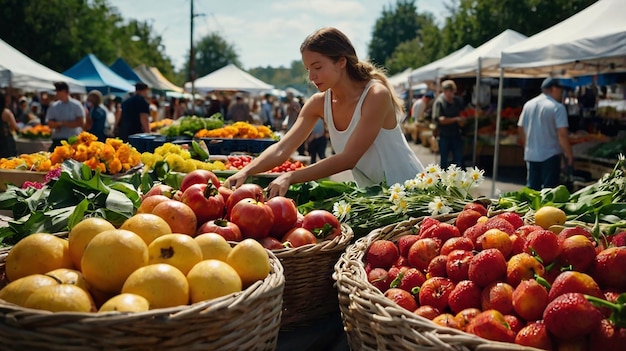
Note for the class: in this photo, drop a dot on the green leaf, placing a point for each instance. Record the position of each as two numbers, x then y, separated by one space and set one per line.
78 214
117 201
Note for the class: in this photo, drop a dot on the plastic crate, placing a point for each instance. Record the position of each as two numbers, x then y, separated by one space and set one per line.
219 146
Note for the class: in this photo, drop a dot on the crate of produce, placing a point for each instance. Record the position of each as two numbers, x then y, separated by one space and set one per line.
247 320
374 320
18 177
226 146
310 293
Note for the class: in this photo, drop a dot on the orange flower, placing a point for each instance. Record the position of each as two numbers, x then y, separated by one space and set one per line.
115 166
108 152
86 138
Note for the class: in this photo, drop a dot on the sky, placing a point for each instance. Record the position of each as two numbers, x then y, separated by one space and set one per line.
263 32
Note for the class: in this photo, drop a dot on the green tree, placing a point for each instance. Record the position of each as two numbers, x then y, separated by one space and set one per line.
211 53
422 49
398 24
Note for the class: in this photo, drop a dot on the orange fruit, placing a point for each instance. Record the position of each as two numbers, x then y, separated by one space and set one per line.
213 246
69 276
178 215
60 298
210 279
148 203
37 253
82 233
111 257
125 303
250 260
147 225
179 250
20 289
163 285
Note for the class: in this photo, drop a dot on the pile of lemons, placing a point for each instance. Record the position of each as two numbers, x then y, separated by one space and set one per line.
140 266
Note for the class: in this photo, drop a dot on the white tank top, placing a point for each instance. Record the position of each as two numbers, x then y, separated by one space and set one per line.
389 158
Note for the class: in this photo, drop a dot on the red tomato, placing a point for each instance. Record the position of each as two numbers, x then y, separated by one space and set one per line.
199 176
247 190
297 237
285 215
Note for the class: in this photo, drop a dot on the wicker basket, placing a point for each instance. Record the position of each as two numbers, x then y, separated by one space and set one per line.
249 320
309 288
373 322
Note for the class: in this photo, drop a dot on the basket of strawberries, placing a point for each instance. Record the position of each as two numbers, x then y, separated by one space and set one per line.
483 281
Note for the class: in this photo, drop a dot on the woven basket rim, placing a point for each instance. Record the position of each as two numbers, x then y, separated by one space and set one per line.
338 243
275 280
350 275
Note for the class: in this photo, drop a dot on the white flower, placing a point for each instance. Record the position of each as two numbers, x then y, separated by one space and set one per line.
453 176
429 181
411 184
476 175
438 206
397 193
620 157
400 206
341 210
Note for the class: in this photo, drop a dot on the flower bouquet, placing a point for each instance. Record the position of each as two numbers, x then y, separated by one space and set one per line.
39 131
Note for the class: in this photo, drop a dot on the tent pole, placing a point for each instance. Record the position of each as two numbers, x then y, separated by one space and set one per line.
496 147
474 156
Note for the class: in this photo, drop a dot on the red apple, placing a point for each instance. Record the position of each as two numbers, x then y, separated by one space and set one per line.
229 230
226 192
466 219
460 243
608 268
205 201
404 243
530 300
577 251
437 266
422 251
285 215
476 207
465 295
254 218
574 282
322 223
402 298
297 237
160 189
271 243
457 264
523 267
491 325
199 176
378 278
247 190
428 312
498 296
382 254
543 244
486 267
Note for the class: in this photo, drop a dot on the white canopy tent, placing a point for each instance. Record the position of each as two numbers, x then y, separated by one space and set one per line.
590 42
20 71
400 81
430 72
484 61
230 77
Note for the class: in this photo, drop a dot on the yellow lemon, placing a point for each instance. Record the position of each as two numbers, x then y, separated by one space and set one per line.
125 303
19 290
210 279
147 225
213 246
547 216
37 253
251 261
163 285
179 250
81 235
60 298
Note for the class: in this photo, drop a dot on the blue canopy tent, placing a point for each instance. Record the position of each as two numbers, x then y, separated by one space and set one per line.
123 70
96 75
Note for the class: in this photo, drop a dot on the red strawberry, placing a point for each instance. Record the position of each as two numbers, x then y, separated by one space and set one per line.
427 311
515 219
574 282
466 294
378 278
543 243
460 243
487 267
476 207
402 298
607 337
435 292
571 315
498 296
445 231
491 325
500 223
515 323
475 231
608 268
457 264
427 224
404 243
535 335
382 254
411 278
466 219
437 267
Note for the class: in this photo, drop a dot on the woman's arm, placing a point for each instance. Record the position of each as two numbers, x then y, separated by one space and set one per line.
377 112
9 118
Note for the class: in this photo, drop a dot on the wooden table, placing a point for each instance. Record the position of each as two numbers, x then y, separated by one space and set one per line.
31 146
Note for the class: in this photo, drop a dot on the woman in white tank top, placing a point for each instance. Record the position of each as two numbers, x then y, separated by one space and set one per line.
361 113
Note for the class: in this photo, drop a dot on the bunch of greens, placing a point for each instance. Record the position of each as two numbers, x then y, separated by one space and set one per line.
190 125
602 203
434 191
61 203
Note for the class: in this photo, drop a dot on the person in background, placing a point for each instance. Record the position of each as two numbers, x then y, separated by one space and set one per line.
97 116
292 109
66 116
362 114
316 144
543 130
8 126
22 112
267 111
419 107
446 114
44 100
135 113
239 111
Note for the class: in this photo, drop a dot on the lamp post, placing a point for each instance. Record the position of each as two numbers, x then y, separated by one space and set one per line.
192 64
